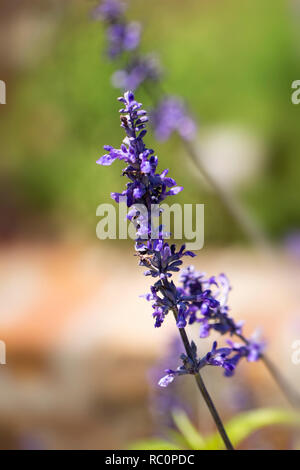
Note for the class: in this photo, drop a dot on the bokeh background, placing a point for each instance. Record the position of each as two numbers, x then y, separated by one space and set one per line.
80 342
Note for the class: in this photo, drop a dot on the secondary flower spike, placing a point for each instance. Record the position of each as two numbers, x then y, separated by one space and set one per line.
170 114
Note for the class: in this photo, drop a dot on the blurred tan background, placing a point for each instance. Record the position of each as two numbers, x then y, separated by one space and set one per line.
80 341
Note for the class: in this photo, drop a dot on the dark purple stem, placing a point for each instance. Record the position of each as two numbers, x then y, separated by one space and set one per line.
201 385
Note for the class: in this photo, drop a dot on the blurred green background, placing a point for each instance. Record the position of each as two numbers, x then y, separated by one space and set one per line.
70 314
233 61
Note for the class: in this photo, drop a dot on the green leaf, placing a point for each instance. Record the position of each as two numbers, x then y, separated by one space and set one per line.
153 444
192 437
245 424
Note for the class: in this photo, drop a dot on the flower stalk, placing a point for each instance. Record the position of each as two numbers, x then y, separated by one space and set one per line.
203 390
147 187
170 115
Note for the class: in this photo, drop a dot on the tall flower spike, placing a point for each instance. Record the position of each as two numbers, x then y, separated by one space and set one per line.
148 187
141 70
195 300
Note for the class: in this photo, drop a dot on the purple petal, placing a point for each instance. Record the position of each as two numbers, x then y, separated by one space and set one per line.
166 380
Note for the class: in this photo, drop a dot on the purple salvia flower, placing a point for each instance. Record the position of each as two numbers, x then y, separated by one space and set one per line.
220 358
252 350
226 358
212 310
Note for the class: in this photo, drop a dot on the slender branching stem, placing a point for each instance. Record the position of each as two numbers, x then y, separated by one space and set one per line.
291 395
204 392
236 211
255 234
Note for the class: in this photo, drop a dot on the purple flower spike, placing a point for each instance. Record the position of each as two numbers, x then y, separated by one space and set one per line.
210 306
198 299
